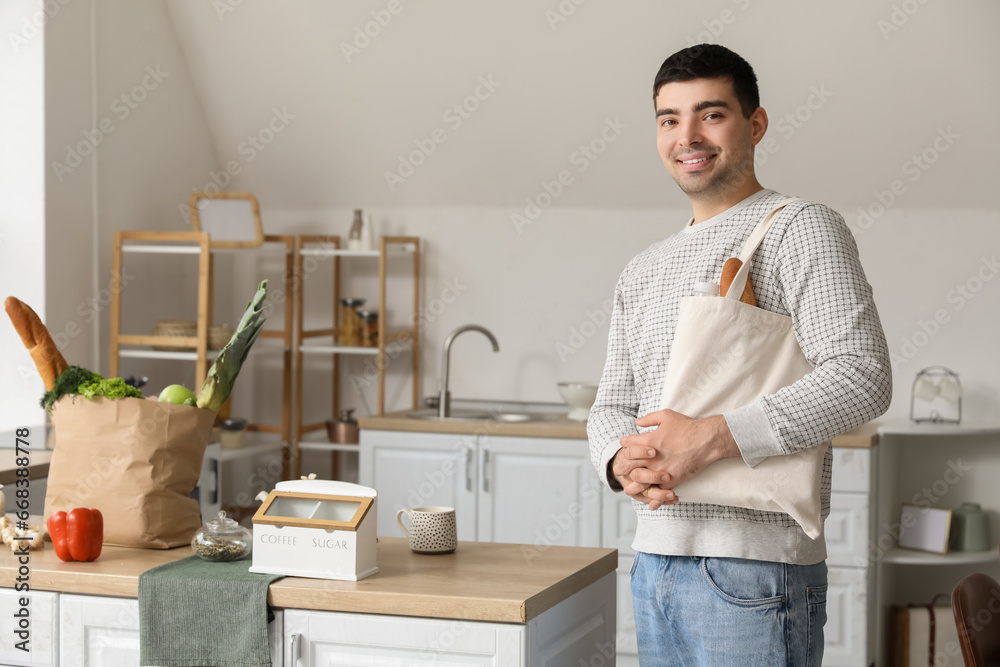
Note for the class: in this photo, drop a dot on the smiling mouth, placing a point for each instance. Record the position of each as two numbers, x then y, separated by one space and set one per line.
696 163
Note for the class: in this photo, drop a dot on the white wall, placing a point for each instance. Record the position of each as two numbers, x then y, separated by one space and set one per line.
160 151
125 142
22 204
854 90
73 141
877 95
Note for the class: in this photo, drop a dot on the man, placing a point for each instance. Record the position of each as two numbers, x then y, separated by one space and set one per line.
717 585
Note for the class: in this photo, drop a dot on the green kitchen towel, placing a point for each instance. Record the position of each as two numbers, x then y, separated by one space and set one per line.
196 613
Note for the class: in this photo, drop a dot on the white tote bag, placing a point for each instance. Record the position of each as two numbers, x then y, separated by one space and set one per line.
727 354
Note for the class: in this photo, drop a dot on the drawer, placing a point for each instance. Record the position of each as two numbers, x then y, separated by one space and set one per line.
43 628
852 469
847 529
99 631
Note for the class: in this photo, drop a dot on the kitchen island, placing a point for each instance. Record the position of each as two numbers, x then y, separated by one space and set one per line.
506 604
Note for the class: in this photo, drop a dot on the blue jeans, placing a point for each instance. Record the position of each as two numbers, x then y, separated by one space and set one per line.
717 612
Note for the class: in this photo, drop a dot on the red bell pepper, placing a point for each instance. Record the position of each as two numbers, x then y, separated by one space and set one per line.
78 535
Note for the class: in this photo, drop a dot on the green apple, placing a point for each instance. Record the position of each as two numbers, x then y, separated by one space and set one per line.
177 393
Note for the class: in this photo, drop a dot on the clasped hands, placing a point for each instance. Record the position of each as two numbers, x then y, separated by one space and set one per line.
649 465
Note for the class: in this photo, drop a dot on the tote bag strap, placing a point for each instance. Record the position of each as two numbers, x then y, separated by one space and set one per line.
750 247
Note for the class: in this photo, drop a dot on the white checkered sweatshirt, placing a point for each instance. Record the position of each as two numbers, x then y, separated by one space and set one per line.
807 268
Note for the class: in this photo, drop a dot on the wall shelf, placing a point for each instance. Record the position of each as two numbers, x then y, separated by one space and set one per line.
940 465
165 354
910 557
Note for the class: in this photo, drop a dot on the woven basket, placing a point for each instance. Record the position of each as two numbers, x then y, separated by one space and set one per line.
174 328
217 336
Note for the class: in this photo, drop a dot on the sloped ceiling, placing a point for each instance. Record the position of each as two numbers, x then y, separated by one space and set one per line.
348 105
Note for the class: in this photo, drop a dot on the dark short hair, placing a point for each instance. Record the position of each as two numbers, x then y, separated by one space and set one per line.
711 61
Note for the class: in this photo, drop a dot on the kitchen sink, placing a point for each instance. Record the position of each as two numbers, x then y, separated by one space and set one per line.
473 415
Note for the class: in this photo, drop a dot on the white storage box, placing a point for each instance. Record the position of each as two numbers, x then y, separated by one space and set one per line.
316 528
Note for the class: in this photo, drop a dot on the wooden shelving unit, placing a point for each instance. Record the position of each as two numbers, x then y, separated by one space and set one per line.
140 346
323 341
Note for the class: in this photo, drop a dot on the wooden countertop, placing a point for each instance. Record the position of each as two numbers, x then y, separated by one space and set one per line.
862 437
38 464
480 581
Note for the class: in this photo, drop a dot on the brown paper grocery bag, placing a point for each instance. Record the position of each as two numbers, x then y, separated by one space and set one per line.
137 460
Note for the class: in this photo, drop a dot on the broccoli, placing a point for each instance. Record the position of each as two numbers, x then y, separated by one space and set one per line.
76 380
68 382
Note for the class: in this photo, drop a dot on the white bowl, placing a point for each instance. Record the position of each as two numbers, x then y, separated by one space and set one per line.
580 397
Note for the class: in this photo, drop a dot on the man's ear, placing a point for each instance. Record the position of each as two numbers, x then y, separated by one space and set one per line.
758 123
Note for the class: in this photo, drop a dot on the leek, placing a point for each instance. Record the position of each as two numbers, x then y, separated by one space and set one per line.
221 376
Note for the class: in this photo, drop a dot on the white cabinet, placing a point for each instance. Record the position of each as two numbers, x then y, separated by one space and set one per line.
339 639
849 632
578 630
41 613
847 636
98 631
104 631
847 529
537 491
418 469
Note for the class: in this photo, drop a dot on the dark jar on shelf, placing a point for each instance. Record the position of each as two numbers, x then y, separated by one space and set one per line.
368 328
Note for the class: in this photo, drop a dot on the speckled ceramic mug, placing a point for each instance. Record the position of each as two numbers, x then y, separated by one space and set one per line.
432 529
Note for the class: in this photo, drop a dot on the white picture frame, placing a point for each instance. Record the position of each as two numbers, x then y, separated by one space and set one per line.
232 219
924 528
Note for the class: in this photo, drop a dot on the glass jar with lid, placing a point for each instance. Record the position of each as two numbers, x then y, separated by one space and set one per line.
349 322
368 328
222 539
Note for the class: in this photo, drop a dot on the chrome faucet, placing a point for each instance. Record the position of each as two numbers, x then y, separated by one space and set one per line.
444 402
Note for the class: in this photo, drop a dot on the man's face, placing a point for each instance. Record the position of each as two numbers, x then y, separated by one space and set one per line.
703 138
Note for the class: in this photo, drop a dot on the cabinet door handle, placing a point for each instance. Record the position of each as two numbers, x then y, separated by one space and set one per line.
486 474
296 650
468 470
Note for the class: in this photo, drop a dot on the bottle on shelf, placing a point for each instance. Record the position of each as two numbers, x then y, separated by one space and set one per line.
354 236
368 233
